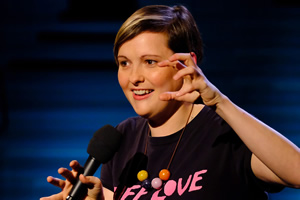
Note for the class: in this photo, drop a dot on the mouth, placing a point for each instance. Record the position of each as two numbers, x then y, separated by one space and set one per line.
142 92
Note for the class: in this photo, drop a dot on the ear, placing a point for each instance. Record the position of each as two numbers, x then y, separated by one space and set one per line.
194 57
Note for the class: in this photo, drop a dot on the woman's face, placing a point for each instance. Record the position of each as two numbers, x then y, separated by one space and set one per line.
142 80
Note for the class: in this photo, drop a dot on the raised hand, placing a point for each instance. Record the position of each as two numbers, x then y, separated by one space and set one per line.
195 84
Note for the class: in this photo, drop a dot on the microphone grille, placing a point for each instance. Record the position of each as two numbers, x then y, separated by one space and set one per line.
104 143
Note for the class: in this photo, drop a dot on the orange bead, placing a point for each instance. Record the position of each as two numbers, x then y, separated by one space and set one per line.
164 174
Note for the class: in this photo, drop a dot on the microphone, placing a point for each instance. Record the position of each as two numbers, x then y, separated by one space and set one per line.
103 145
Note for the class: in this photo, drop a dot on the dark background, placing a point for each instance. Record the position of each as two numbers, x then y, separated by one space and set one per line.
58 81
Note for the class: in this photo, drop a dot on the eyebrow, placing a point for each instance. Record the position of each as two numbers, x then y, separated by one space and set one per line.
143 56
150 55
122 57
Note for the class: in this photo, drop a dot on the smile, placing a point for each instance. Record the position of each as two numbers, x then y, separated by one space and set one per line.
141 92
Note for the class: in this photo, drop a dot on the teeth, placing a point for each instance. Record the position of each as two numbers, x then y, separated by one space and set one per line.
142 92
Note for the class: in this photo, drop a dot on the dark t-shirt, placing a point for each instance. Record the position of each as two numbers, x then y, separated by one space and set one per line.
211 162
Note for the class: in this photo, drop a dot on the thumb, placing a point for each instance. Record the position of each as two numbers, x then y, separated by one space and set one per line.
95 186
91 181
187 97
168 96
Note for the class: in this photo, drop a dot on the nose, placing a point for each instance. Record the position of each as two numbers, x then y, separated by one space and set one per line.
136 75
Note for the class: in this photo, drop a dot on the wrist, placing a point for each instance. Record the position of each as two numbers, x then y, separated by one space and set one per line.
222 104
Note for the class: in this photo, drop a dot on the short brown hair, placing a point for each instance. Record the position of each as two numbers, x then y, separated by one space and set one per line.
177 22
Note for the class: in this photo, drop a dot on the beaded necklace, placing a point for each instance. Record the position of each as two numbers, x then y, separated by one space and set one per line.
164 174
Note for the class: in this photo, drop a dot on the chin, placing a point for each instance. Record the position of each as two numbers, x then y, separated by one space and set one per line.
143 114
144 109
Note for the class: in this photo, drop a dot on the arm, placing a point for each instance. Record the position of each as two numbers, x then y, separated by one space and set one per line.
275 159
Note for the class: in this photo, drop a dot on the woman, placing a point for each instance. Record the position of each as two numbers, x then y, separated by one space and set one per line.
213 150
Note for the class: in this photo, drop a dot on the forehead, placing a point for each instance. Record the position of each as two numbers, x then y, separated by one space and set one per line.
146 41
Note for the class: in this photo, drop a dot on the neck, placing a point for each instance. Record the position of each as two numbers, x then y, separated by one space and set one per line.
174 123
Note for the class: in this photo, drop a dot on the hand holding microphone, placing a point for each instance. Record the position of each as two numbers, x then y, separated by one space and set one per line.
101 149
93 183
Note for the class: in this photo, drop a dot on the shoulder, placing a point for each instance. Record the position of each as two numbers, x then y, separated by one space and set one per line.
208 117
209 125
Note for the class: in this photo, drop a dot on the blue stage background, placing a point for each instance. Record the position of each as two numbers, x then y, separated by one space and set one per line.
59 84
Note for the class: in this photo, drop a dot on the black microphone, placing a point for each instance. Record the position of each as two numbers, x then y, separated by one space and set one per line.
101 149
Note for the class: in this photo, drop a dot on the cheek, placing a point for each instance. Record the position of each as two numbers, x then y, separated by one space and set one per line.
122 79
165 80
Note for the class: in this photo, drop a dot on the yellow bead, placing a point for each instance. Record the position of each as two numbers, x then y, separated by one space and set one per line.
142 175
164 174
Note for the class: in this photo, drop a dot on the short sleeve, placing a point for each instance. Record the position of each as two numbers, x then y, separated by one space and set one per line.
267 187
106 176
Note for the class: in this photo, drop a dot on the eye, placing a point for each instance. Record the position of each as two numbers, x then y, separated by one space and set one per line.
123 63
151 62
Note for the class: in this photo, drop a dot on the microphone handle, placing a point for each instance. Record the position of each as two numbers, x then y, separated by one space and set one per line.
79 190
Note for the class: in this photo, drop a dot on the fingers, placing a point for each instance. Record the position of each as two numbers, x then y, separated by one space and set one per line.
168 96
91 181
65 185
45 198
53 197
183 58
190 97
175 64
179 56
188 73
182 70
193 78
67 174
189 59
56 182
76 166
185 63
